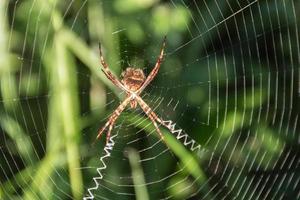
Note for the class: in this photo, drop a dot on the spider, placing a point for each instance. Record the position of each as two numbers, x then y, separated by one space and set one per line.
133 82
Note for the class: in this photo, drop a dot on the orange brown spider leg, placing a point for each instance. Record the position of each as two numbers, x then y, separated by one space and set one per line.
113 118
156 127
109 130
153 117
155 69
157 118
152 113
108 73
148 109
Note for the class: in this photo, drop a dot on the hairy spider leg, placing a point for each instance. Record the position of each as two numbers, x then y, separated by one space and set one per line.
109 74
155 69
154 115
113 118
110 129
151 115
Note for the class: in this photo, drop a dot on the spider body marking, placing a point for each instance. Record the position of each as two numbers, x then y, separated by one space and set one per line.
133 82
132 79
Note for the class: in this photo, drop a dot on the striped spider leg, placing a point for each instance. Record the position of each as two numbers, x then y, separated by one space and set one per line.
151 114
133 82
109 74
113 118
153 73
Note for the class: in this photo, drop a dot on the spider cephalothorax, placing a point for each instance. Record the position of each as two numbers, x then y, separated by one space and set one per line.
133 82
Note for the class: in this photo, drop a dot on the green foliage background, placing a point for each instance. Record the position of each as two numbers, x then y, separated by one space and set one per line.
51 83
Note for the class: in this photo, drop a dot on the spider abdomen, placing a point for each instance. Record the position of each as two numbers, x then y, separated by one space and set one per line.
133 85
133 104
133 78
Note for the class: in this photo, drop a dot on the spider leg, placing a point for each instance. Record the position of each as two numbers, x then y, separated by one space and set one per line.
109 130
113 118
152 113
153 117
156 127
108 73
155 69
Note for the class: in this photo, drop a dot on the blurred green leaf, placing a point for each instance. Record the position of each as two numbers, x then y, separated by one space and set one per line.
126 6
138 175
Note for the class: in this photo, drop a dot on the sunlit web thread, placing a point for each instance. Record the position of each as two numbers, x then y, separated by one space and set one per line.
108 148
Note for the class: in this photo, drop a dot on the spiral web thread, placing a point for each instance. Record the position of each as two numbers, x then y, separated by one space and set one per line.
107 149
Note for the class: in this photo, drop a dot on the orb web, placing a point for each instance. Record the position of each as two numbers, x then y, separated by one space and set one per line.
228 90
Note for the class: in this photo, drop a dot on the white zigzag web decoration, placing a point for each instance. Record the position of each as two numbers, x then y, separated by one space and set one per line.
107 149
181 136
